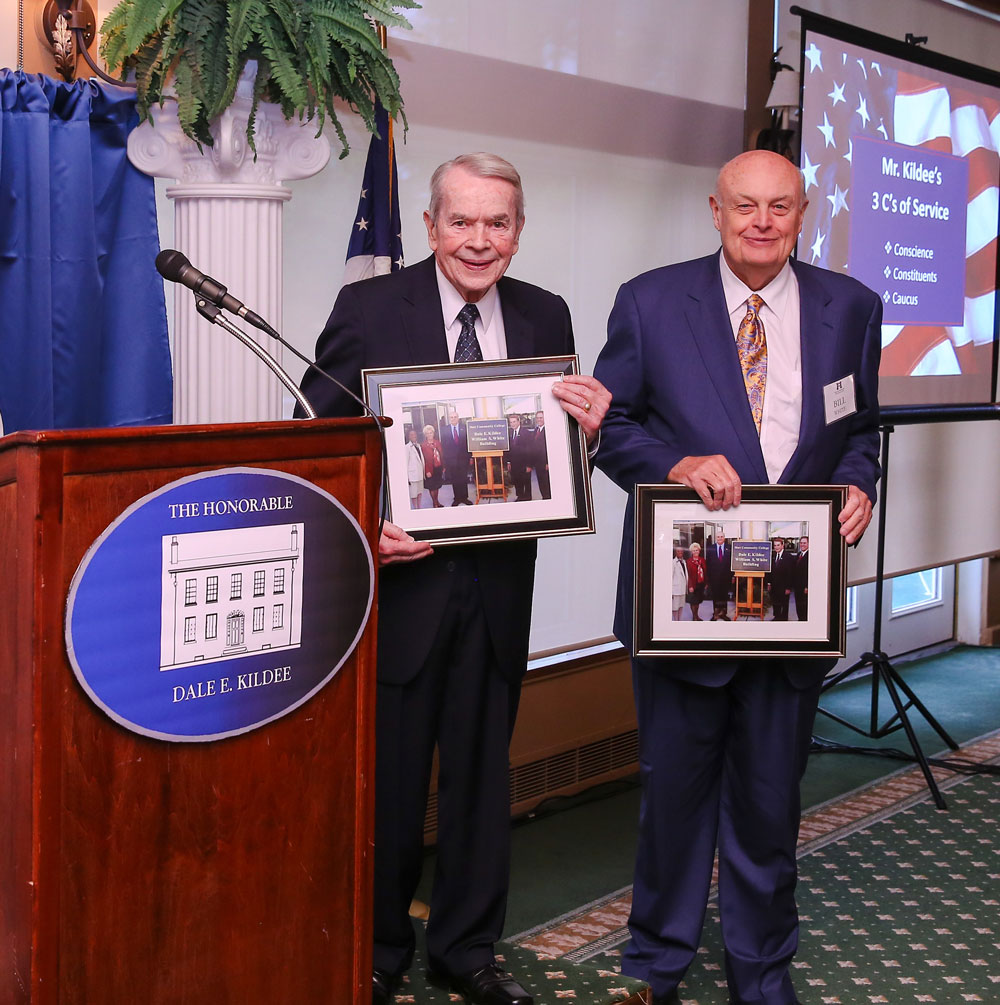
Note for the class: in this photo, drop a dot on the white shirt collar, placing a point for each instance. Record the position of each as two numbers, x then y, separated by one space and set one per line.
452 301
774 295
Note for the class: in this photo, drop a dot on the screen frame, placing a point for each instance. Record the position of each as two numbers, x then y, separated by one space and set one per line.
916 411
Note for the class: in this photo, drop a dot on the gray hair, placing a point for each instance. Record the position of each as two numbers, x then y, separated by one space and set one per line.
482 165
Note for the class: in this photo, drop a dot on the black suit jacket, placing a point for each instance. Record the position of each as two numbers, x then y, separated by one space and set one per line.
455 454
540 452
720 570
800 577
396 320
522 450
782 570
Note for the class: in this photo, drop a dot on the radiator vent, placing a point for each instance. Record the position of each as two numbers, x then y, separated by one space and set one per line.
562 774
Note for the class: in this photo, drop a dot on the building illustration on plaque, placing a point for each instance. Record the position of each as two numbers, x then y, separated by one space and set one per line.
230 593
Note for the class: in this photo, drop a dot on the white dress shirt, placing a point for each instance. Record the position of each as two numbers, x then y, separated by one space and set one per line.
489 325
779 426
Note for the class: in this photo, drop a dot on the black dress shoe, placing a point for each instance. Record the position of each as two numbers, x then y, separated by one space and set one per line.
670 998
487 986
383 987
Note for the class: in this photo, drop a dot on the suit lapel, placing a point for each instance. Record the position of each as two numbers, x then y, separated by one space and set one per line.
421 320
816 344
518 331
713 334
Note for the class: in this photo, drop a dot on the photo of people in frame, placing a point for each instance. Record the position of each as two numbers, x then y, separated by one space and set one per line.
723 571
445 469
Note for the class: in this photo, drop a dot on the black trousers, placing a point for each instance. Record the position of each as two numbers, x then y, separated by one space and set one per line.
458 477
801 604
459 703
542 473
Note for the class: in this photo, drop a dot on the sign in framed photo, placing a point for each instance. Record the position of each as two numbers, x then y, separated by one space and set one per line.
482 451
765 578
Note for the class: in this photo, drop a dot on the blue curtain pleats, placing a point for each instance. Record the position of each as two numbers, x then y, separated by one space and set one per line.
83 328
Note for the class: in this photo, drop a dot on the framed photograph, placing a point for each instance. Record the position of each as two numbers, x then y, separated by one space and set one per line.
765 578
482 451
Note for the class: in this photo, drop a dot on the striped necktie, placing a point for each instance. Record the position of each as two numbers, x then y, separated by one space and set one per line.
467 348
751 346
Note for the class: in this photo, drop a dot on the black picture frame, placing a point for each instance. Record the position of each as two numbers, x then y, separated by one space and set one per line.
666 514
494 390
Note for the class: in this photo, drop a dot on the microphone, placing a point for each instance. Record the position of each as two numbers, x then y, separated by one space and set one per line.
174 266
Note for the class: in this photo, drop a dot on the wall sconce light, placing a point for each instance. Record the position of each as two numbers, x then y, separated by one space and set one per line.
783 101
69 27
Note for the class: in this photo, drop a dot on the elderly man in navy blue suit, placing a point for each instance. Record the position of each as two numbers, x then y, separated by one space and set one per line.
452 623
717 369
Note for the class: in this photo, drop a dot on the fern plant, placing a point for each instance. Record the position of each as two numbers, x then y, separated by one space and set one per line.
308 53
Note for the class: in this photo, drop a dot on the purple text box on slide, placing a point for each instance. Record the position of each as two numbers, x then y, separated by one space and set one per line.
908 209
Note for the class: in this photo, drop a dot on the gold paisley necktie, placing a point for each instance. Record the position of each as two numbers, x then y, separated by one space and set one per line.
752 349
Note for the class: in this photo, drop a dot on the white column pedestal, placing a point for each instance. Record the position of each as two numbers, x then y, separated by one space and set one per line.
227 221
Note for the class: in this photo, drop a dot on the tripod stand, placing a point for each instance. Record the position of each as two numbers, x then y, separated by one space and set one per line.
883 673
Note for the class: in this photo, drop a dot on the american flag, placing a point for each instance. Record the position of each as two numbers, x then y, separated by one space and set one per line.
848 92
376 244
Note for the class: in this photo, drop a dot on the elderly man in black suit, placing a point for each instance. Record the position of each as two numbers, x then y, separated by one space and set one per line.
450 676
541 456
719 557
780 580
455 444
800 580
520 457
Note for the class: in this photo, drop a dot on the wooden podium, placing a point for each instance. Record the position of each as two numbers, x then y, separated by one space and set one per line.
134 869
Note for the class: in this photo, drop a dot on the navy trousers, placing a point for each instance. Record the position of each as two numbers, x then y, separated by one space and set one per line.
720 768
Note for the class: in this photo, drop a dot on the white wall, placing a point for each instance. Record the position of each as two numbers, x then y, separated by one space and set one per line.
8 34
950 30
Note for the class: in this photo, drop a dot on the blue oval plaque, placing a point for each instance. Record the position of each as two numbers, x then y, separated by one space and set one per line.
218 603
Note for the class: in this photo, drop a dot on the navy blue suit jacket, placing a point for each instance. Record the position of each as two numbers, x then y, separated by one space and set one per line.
671 365
396 320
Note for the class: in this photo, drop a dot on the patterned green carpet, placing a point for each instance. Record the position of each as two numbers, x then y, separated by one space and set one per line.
899 902
905 910
551 981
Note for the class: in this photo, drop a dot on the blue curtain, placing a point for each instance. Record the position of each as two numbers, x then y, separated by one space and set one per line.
83 327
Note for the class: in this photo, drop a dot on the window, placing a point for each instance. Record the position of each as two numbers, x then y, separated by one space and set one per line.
236 586
190 592
278 616
258 619
916 591
189 629
258 583
910 619
212 590
211 626
279 580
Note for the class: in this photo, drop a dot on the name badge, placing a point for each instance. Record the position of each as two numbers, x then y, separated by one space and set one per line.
839 400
